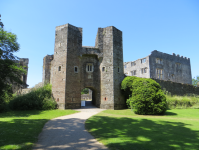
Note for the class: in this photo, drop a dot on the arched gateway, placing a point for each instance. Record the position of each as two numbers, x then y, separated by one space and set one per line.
74 67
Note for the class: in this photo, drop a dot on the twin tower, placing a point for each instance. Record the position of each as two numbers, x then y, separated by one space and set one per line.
74 67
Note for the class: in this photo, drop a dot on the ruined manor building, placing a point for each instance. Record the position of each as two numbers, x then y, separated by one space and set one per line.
74 67
162 66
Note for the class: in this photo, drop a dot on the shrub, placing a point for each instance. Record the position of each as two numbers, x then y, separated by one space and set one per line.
146 98
39 99
5 97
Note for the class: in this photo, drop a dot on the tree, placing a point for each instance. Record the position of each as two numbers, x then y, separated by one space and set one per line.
195 81
10 70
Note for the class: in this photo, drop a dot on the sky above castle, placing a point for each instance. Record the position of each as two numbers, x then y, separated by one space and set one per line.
169 26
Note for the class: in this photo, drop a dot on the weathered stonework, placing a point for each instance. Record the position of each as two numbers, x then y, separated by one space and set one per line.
75 67
161 66
178 88
16 87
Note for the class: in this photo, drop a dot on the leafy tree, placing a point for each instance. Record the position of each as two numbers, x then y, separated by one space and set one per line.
195 81
85 91
10 71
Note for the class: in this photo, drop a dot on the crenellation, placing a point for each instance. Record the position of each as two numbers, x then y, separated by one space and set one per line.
162 66
75 67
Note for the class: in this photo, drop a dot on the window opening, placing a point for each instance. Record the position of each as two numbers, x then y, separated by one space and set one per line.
133 63
89 68
159 61
59 69
133 73
103 69
118 69
75 69
143 60
159 73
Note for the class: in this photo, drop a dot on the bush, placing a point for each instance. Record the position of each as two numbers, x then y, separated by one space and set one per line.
146 96
37 99
5 97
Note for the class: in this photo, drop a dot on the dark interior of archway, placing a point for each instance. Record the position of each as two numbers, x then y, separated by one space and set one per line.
88 94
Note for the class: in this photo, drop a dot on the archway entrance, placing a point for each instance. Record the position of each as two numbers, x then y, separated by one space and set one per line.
88 97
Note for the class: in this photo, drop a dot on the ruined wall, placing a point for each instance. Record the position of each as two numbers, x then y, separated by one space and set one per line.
140 68
16 87
175 68
47 68
162 66
178 88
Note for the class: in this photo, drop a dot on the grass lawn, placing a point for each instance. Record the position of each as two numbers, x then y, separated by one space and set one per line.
178 129
20 129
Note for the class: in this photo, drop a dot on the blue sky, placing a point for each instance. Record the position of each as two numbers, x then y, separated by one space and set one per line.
169 26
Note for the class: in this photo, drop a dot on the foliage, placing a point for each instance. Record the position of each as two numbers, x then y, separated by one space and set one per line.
182 102
126 86
124 130
5 97
20 129
146 96
39 99
10 71
85 91
195 81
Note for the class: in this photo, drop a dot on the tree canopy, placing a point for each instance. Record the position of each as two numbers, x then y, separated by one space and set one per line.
10 70
195 81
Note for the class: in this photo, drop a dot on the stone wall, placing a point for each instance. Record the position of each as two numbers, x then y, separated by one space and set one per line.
75 67
178 88
175 68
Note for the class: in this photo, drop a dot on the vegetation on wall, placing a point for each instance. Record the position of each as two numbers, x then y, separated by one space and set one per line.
145 96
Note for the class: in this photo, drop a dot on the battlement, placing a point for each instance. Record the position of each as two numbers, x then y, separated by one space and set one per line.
174 56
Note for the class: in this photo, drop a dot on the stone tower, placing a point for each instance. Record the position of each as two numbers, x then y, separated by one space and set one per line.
75 67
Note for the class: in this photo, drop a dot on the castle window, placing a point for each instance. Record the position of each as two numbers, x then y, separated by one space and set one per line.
159 61
159 73
118 69
143 70
143 60
76 69
133 63
59 68
133 73
89 67
103 69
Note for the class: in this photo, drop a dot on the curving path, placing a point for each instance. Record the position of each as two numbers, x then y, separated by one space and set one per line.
68 132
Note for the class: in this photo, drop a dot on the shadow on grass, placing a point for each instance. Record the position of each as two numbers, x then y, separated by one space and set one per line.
128 133
25 113
21 132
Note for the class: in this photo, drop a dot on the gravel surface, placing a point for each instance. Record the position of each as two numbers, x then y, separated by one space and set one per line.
68 132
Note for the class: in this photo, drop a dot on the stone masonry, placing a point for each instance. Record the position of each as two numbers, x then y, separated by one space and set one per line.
74 67
16 87
161 66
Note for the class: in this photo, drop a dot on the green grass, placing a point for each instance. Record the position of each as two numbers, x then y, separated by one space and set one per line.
178 129
20 129
182 102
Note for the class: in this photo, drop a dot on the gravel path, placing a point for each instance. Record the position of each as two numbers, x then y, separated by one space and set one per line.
68 132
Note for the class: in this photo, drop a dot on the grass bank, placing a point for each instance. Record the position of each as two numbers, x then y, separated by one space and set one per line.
122 129
182 102
20 129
